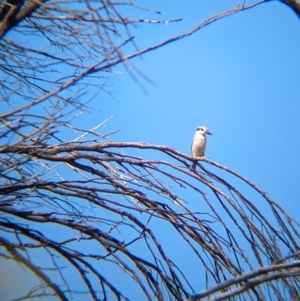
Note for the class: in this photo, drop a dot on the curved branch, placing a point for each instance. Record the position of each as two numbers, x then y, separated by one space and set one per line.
19 258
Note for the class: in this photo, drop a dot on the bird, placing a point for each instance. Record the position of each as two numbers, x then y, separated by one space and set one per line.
199 143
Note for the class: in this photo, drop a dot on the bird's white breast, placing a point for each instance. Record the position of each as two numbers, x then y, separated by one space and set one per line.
198 145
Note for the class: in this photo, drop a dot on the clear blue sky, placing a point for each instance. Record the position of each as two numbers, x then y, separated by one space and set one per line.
238 76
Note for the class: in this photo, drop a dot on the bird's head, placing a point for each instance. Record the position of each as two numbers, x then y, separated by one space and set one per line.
203 130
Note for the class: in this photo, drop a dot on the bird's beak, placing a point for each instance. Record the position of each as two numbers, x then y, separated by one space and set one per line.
209 133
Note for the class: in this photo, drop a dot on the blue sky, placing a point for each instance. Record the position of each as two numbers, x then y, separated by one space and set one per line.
238 76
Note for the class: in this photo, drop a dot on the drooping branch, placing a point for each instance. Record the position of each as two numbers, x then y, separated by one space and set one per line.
93 205
104 175
250 280
294 5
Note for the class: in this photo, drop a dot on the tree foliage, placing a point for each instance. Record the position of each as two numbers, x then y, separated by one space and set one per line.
87 216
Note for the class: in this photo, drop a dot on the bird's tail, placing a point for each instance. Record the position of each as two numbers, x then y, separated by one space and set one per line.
194 166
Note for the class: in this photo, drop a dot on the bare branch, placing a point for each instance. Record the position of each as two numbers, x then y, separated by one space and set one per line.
106 210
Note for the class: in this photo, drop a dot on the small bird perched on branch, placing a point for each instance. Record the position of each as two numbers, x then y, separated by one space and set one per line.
199 143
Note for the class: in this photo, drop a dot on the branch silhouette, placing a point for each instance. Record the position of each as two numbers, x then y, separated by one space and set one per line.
90 208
